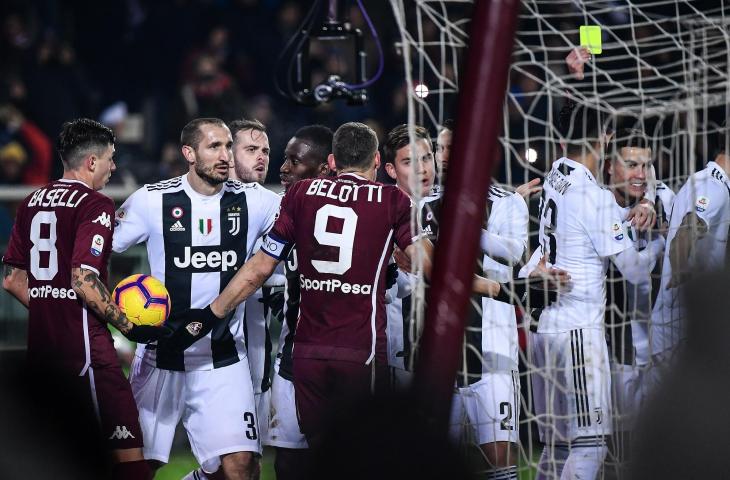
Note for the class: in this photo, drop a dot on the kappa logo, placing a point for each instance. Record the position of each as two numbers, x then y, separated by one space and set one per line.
121 433
177 227
194 328
104 220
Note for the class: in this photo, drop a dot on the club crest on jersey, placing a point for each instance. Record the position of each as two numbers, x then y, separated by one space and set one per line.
616 231
234 216
702 204
119 216
97 245
194 328
205 225
177 212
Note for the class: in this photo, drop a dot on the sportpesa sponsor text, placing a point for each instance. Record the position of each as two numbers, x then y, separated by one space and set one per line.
334 286
46 291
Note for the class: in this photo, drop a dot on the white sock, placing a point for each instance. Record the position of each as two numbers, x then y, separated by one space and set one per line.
584 462
197 474
505 473
552 460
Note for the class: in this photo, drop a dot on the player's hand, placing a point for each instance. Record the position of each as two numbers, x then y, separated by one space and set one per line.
402 260
529 188
196 324
147 333
576 61
391 275
642 215
550 278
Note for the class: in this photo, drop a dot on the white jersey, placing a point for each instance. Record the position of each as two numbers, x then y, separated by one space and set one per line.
195 245
706 194
400 329
581 226
509 220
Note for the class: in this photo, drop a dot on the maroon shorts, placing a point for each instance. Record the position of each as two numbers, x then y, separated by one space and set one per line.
111 396
324 389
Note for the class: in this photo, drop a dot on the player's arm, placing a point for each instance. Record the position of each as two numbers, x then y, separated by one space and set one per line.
15 281
89 288
247 280
635 265
690 230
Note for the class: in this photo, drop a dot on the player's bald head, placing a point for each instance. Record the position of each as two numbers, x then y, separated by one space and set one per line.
354 145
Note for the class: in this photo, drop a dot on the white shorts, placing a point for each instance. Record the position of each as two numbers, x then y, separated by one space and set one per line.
491 407
263 405
216 406
571 384
283 424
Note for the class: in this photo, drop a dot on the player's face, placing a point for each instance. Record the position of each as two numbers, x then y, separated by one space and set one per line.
250 156
214 154
300 162
402 169
443 150
628 172
103 167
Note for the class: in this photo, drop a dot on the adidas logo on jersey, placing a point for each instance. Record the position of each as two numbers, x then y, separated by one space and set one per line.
177 227
121 433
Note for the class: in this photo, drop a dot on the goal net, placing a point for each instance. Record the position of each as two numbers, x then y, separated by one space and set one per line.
663 70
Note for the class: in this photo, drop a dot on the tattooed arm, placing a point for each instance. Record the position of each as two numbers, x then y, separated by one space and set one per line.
15 281
89 287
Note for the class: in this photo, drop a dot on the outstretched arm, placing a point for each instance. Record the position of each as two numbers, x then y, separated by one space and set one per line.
15 281
89 287
249 278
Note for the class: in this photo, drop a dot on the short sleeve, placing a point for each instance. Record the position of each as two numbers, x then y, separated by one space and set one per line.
130 221
514 223
402 219
602 219
278 242
269 209
709 204
94 230
16 245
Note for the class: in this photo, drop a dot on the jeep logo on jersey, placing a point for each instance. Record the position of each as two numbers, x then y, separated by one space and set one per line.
206 259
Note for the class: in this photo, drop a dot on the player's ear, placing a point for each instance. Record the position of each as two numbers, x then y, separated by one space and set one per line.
90 162
324 169
377 159
331 162
189 153
390 170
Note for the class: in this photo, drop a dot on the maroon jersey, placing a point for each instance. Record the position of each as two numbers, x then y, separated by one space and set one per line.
344 230
61 226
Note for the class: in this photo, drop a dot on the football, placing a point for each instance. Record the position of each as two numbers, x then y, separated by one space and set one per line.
143 299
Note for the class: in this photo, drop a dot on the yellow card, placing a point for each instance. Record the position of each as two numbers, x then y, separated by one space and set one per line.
590 37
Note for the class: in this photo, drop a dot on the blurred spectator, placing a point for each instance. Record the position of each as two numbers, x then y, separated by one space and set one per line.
26 153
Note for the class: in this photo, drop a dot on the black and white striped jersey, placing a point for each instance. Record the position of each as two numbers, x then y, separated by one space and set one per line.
195 245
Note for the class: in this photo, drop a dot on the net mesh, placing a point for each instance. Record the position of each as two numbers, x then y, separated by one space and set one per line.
663 69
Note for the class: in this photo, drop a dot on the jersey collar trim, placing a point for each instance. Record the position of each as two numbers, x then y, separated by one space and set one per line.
70 180
578 165
711 165
192 193
354 175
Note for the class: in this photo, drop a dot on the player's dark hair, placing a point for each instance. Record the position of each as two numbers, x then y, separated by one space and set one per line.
354 145
628 137
718 139
245 124
191 134
319 137
81 136
579 125
399 138
447 125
